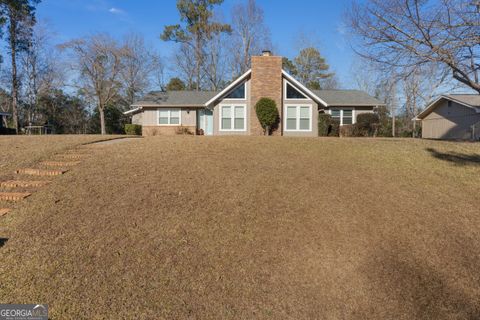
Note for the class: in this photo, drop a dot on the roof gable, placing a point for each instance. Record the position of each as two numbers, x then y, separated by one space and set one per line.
468 100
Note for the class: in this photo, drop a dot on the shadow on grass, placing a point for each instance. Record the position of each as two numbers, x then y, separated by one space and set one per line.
455 157
3 241
421 289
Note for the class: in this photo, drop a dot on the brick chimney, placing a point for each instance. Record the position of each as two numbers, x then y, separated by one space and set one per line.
266 83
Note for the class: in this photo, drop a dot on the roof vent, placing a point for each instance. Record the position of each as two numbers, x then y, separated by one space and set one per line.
266 53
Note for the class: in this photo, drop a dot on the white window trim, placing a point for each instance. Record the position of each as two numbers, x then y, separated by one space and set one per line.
354 116
169 117
232 117
298 105
285 91
238 99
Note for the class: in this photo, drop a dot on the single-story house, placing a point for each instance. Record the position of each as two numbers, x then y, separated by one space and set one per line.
231 111
452 117
3 118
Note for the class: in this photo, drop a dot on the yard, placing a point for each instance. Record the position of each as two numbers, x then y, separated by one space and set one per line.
256 227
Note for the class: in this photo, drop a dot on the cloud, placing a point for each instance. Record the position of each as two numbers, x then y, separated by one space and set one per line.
114 10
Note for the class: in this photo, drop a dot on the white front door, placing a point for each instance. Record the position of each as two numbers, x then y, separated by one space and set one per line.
205 121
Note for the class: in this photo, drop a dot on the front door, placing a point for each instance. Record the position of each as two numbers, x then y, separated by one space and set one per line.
205 121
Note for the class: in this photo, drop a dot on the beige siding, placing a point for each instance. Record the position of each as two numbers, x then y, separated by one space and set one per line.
137 118
216 113
149 117
454 122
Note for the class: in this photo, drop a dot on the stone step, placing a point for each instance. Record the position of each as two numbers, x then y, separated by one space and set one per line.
60 163
71 156
4 211
23 183
14 196
40 172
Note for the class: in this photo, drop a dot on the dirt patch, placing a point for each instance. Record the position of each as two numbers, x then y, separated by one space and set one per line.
267 227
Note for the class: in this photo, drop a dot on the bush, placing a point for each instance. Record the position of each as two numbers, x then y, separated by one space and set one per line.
327 126
267 114
348 130
133 129
183 130
7 131
367 125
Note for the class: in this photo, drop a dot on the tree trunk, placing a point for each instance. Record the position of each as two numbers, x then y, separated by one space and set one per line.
102 120
267 130
13 55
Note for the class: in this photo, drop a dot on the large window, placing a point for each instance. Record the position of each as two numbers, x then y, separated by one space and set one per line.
169 117
232 118
298 118
344 116
293 93
238 93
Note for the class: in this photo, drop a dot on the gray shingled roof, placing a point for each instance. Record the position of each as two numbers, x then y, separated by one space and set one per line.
176 98
468 99
347 98
199 98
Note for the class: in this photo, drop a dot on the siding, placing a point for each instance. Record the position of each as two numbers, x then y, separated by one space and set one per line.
453 122
250 113
149 117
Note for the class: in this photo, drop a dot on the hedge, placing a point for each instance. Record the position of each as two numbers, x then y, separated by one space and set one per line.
133 129
327 126
7 131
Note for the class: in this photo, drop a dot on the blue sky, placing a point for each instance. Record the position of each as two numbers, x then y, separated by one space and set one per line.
318 20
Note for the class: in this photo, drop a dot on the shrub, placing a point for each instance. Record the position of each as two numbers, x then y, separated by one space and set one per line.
347 130
183 130
327 126
133 129
267 114
367 125
324 123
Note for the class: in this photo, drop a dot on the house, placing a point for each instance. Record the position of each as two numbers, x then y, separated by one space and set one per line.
452 117
231 111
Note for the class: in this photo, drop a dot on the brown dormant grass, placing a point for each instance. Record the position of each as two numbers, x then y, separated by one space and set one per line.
243 228
21 151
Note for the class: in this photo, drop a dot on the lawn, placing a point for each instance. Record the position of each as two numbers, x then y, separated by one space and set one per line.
26 150
255 227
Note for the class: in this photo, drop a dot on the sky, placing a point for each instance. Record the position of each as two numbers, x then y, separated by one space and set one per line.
318 21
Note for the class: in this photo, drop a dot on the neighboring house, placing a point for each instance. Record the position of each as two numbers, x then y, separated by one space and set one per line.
3 118
232 110
452 117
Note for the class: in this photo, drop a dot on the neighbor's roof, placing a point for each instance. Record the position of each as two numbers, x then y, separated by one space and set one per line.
175 98
467 100
5 114
347 98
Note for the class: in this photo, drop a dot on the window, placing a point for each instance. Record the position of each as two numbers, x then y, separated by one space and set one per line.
347 116
298 118
169 117
232 118
293 93
344 116
238 93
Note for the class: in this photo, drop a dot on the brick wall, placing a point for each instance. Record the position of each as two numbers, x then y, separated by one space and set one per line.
266 83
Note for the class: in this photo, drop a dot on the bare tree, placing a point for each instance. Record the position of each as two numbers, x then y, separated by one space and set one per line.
140 67
407 34
185 66
250 35
98 62
41 70
198 28
215 67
